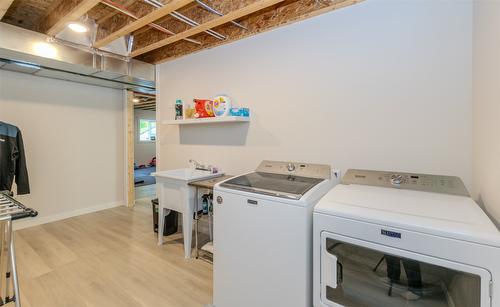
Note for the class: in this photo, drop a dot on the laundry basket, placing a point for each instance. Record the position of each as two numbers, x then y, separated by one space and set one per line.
171 221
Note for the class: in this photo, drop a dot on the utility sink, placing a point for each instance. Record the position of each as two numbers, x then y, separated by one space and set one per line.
186 174
174 193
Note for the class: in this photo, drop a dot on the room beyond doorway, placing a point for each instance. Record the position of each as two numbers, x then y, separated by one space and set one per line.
144 142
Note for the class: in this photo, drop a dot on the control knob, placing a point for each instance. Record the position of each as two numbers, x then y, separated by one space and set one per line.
397 179
219 200
290 167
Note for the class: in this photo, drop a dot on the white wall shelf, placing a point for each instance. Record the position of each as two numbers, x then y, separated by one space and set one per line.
208 120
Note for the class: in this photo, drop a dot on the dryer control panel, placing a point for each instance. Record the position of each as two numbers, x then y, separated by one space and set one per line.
409 181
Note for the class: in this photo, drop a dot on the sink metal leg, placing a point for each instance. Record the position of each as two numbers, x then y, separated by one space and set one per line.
210 225
196 225
161 223
196 244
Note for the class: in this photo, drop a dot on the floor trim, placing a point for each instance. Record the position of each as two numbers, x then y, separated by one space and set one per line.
39 220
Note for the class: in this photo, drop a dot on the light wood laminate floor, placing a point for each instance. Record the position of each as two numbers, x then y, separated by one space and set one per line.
145 192
106 259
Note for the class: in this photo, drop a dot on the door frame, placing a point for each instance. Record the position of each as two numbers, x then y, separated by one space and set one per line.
129 183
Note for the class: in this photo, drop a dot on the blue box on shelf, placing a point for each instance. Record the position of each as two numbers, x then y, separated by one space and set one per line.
242 112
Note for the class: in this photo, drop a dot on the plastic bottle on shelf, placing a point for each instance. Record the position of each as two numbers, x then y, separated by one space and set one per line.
189 111
178 109
205 204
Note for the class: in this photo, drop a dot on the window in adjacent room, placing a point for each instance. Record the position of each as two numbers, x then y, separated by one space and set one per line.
147 130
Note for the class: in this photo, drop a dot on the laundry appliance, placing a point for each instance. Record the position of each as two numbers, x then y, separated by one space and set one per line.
396 239
263 234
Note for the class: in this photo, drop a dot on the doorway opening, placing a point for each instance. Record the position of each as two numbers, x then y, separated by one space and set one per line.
144 144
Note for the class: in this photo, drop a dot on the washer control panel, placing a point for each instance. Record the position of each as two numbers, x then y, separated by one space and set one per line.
409 181
320 171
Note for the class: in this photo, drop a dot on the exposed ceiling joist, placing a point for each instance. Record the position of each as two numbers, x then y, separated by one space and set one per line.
249 9
4 6
144 21
146 103
142 95
66 11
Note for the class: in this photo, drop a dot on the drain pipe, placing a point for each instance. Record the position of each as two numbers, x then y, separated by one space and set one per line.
214 11
125 11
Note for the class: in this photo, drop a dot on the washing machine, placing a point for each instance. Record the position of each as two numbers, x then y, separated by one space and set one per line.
397 239
263 234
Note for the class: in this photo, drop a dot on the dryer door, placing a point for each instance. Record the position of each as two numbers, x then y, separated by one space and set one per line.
357 273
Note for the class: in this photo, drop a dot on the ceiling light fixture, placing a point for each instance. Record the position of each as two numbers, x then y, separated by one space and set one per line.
78 27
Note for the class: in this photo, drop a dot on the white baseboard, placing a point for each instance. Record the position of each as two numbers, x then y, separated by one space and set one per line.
39 220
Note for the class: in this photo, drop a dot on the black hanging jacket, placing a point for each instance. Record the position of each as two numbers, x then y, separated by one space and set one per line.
12 159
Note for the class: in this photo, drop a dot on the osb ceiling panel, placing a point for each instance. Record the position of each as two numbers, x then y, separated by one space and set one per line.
100 11
28 13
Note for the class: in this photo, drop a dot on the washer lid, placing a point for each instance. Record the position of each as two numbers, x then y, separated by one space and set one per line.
432 213
279 185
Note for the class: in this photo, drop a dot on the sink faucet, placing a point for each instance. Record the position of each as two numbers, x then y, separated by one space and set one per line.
199 166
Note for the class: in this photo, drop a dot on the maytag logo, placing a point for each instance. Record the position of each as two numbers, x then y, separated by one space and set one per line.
391 234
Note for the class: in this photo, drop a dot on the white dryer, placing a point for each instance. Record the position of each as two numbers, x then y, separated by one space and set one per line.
263 234
391 239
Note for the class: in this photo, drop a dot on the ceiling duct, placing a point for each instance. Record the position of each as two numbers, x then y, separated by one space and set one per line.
38 54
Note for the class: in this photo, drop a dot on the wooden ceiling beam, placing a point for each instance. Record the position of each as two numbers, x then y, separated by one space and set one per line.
247 10
146 100
145 107
144 21
66 11
145 103
149 104
142 95
4 6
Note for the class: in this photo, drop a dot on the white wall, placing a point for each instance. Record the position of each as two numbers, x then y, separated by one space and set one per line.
74 141
487 104
380 85
143 151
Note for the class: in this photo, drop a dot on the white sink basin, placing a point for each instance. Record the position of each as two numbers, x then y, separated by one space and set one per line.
186 174
175 193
